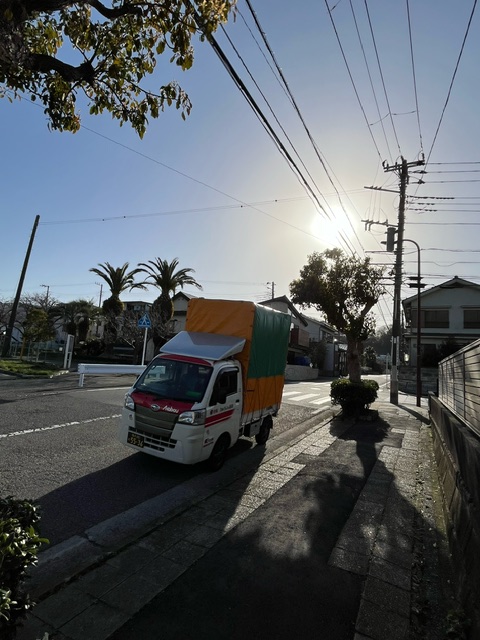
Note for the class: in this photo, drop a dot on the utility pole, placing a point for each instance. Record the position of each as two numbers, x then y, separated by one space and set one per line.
13 313
402 170
273 289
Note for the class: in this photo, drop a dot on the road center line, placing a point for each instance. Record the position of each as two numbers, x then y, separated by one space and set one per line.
57 426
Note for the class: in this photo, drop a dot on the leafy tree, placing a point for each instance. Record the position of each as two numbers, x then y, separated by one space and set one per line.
167 278
381 340
56 50
37 327
345 289
77 316
370 357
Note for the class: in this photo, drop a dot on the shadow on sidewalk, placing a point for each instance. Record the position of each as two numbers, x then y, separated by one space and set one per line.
272 576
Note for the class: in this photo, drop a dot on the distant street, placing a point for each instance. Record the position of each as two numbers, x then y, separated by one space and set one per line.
58 446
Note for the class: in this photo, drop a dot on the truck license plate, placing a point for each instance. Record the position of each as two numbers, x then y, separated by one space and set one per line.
135 439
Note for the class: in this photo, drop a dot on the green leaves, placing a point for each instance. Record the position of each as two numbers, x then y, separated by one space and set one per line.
105 53
19 545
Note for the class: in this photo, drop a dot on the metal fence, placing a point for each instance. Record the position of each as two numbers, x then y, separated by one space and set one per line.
459 384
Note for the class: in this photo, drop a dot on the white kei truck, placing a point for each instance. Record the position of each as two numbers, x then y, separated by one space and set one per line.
220 379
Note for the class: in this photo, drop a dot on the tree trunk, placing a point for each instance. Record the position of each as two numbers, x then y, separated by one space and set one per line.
354 350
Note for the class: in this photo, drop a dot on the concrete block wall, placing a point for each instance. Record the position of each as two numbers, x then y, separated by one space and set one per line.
457 452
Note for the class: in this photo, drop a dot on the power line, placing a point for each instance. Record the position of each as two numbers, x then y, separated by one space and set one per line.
414 75
453 80
382 78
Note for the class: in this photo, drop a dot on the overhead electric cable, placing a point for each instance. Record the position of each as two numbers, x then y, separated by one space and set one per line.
414 75
371 81
351 79
299 113
452 81
382 78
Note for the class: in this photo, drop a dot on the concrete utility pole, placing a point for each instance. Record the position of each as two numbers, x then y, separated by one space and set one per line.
13 313
402 170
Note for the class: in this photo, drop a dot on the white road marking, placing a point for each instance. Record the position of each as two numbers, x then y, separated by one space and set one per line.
305 396
322 401
57 426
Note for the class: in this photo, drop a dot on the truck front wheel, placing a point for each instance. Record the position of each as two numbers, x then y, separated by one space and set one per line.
219 453
263 434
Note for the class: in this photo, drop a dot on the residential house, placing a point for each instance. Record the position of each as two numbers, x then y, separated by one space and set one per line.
448 312
180 304
305 333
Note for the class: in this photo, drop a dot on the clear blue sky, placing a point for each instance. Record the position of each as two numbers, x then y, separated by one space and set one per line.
215 191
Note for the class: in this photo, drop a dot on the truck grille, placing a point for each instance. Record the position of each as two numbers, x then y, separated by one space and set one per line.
154 441
156 427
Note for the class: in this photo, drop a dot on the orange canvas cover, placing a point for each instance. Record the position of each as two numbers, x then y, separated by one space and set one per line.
262 388
226 317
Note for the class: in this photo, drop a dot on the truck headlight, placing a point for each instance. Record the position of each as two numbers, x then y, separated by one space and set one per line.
129 403
192 417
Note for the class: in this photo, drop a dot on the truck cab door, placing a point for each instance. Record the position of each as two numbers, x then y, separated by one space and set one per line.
225 406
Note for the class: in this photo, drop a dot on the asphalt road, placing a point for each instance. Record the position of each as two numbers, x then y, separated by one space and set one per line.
58 446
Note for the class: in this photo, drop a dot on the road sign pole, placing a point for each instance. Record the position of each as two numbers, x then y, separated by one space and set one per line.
144 345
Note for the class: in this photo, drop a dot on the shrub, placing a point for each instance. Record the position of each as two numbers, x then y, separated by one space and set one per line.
19 545
353 397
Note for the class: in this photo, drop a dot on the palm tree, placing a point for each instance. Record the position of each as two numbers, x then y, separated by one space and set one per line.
77 316
118 279
165 276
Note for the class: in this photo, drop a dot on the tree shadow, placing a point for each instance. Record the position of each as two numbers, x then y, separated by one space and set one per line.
328 555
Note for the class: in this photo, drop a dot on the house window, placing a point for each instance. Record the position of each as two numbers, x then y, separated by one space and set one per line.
471 318
432 318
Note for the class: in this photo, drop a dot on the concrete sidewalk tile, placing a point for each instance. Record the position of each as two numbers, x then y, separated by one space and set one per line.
159 540
391 553
403 539
32 629
205 536
200 514
64 605
375 623
131 596
132 558
162 572
100 580
185 552
249 500
387 595
349 561
96 623
391 573
217 503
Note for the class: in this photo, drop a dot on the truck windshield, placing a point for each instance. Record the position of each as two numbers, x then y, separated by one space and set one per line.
175 380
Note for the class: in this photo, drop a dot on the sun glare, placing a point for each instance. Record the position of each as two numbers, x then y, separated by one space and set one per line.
331 230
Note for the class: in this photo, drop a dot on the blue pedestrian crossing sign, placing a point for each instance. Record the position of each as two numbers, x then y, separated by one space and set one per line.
144 322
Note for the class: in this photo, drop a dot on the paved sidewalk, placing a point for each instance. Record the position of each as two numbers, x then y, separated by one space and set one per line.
323 540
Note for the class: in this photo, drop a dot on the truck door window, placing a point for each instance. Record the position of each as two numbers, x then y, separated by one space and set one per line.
225 385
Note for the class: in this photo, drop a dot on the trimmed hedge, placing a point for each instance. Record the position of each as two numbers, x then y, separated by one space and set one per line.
19 545
353 397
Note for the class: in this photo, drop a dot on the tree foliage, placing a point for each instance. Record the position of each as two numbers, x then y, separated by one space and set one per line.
166 277
54 50
37 326
118 279
345 289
